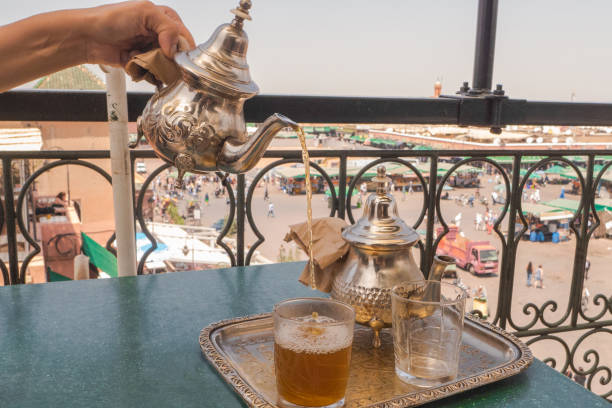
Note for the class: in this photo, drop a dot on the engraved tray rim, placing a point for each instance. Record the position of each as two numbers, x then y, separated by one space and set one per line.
253 398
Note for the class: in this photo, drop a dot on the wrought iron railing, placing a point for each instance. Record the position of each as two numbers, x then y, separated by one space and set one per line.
540 328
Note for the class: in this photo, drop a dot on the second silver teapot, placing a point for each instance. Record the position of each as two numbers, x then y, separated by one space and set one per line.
380 257
197 123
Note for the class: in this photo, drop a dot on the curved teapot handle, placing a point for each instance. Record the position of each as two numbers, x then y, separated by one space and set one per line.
139 133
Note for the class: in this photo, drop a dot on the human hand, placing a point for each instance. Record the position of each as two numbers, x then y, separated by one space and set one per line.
115 33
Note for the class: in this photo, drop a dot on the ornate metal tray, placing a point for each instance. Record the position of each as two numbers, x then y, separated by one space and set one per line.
241 350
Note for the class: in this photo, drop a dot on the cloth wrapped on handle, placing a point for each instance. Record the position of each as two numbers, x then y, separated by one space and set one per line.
329 249
154 67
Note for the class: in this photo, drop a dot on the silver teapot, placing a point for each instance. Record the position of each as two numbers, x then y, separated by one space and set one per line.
197 122
380 257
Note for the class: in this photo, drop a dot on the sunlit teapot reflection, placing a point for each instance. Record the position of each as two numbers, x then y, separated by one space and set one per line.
197 123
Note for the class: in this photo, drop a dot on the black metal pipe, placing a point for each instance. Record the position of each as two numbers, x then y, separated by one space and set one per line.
485 45
297 154
11 220
84 106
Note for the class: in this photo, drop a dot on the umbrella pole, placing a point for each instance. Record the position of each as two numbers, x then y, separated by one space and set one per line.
116 101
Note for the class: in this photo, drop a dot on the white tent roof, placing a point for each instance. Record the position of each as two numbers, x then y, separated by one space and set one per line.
176 239
28 139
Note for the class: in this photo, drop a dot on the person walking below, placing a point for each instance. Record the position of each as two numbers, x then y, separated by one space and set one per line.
529 273
539 277
579 376
206 199
587 266
584 301
271 210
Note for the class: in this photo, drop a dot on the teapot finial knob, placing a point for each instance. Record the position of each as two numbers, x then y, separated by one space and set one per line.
381 179
241 13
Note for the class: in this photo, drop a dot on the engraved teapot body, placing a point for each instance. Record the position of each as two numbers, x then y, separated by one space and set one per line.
197 122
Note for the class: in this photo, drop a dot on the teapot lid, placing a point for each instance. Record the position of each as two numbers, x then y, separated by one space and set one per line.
380 226
220 63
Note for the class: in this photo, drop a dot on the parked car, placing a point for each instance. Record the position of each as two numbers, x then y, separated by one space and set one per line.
141 167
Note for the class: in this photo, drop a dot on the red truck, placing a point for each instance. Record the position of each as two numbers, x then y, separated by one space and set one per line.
478 257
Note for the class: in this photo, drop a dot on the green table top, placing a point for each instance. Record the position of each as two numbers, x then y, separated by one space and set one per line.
133 342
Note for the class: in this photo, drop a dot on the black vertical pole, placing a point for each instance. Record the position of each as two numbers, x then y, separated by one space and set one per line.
240 186
11 221
582 242
431 216
342 198
485 45
509 251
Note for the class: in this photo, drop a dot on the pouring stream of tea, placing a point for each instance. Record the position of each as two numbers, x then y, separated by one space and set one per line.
306 160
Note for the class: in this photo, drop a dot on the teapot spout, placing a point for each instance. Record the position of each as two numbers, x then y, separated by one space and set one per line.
242 158
438 267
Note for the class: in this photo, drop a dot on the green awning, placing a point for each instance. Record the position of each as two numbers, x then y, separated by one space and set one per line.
296 173
564 203
328 191
99 256
606 203
537 209
578 159
383 142
572 205
535 175
510 159
422 147
570 174
56 277
556 169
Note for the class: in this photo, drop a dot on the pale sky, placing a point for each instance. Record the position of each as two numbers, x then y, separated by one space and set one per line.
546 49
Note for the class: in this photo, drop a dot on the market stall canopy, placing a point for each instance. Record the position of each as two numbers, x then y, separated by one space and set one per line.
556 216
22 139
466 168
422 147
564 204
572 205
556 169
536 174
605 202
99 256
545 212
296 173
328 192
510 159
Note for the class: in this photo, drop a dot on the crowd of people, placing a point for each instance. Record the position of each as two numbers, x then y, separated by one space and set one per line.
194 194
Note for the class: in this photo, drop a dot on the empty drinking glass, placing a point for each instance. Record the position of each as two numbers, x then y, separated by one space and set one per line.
427 328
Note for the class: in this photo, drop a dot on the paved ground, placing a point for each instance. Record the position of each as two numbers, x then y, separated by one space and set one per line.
557 259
